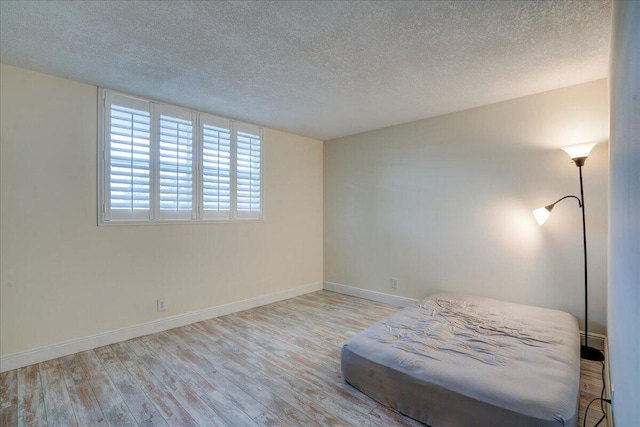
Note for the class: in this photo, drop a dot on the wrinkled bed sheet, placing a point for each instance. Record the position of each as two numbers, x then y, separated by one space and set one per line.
459 360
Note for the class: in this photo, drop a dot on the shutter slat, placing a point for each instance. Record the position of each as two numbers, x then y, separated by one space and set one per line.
129 149
124 161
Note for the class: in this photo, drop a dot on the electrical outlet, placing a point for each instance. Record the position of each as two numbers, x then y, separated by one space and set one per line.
161 305
611 394
394 283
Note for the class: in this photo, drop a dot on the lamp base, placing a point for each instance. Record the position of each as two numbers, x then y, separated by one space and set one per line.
590 353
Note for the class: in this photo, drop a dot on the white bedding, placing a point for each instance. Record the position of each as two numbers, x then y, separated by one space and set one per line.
459 360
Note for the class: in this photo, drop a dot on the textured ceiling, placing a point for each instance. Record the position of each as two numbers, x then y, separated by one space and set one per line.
320 69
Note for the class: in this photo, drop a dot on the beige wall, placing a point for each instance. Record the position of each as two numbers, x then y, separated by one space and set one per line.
624 209
441 204
445 203
62 277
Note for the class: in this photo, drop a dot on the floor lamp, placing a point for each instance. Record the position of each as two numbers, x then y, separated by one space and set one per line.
578 154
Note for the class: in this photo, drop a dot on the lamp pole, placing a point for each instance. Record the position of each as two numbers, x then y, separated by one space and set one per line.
586 352
584 243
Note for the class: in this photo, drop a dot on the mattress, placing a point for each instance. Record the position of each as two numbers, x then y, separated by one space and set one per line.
460 360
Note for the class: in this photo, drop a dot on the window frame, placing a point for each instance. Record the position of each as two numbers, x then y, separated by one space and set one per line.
154 215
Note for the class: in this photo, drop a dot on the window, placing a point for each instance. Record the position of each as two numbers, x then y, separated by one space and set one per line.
216 167
162 163
128 158
248 171
175 164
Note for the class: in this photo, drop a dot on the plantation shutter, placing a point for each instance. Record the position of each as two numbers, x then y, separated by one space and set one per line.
176 154
127 157
216 167
163 163
248 171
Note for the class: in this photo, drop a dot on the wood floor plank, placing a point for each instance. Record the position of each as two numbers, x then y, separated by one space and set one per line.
227 409
9 416
113 407
156 349
316 403
85 405
208 382
590 388
31 408
162 398
269 419
179 344
305 366
59 409
187 392
8 389
233 368
275 365
142 409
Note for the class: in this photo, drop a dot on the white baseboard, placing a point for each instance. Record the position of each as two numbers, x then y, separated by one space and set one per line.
53 351
597 341
370 295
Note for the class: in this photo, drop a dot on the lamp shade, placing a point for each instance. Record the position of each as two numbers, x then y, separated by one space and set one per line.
542 214
577 151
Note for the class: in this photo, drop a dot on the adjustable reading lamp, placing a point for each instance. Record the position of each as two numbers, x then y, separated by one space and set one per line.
578 154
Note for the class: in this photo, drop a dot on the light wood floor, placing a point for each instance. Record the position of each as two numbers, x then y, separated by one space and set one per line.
275 365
